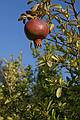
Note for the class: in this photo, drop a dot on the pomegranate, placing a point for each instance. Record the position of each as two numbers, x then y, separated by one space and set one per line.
36 30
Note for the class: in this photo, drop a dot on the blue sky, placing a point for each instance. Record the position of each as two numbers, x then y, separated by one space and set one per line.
12 37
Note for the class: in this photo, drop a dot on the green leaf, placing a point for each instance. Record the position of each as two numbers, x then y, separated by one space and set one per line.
7 101
35 7
61 38
58 6
49 105
49 63
58 92
61 81
63 105
53 115
1 118
9 118
29 1
20 57
65 118
60 104
51 27
54 57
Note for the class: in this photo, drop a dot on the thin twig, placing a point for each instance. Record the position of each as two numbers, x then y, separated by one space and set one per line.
68 2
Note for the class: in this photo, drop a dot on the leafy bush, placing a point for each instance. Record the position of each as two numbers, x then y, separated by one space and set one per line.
52 90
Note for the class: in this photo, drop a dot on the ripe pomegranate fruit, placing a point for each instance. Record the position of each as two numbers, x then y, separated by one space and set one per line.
36 30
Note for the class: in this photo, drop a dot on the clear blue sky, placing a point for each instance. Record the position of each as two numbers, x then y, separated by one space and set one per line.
12 37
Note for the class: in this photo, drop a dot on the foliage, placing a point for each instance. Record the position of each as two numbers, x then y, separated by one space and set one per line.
15 89
52 90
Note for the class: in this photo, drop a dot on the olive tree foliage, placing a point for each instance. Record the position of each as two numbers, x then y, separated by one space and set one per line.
43 93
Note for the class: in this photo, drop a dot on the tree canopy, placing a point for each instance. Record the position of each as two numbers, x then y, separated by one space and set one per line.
51 91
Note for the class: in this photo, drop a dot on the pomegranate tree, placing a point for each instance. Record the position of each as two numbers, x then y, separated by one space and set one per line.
36 30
